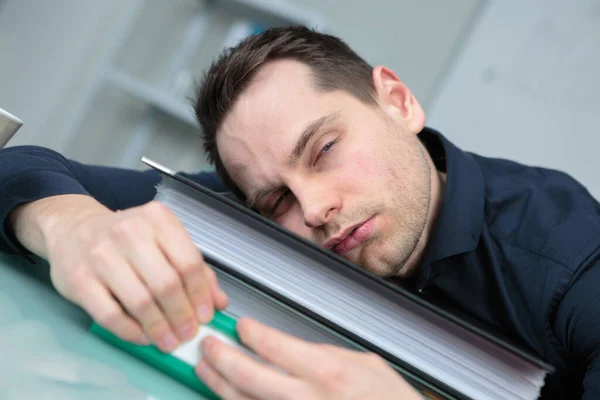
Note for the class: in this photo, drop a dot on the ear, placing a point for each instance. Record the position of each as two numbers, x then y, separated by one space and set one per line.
396 99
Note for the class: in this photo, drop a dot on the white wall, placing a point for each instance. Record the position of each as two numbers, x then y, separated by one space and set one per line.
51 50
416 38
526 87
45 47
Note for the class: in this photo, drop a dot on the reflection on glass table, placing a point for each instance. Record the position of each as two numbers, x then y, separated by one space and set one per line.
48 351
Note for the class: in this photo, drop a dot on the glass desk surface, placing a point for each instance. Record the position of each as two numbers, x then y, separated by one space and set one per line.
47 351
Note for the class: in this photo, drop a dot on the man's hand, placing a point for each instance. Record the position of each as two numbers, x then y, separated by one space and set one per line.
306 371
136 272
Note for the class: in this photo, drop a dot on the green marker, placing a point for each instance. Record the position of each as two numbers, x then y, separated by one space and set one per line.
180 363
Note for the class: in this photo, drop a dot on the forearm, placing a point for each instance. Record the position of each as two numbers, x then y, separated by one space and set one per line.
36 223
29 174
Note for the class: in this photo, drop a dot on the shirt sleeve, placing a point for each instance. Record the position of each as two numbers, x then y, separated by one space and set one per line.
29 173
577 325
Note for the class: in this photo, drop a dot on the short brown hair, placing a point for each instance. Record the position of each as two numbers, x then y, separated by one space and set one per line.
335 66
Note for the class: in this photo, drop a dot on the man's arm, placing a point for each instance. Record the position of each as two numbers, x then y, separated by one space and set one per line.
136 272
577 325
30 173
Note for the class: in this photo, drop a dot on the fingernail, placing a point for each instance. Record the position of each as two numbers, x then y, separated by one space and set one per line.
206 343
143 340
204 313
186 332
202 369
168 341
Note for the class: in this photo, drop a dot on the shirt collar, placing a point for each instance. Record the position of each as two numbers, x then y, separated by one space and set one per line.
459 223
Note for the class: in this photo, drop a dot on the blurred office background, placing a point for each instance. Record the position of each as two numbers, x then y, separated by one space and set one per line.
109 81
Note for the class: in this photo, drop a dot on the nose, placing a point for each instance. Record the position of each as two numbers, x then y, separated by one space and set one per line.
319 204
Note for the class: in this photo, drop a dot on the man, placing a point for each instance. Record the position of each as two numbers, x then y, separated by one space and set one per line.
308 134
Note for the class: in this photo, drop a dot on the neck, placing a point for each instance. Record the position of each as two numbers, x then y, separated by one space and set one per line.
438 183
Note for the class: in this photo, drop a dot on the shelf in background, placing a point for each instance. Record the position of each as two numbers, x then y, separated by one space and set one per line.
163 102
170 94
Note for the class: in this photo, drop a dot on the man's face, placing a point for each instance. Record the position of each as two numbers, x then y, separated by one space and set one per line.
351 177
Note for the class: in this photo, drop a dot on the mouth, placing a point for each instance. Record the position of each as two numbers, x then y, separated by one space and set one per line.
351 237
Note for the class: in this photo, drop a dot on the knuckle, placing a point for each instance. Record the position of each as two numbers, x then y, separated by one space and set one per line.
142 304
169 286
131 333
111 319
157 329
127 228
156 208
332 377
100 252
76 279
191 266
73 287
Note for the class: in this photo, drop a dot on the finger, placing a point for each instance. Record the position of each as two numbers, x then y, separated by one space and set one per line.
185 257
166 287
217 383
137 243
219 296
98 302
128 288
245 374
282 350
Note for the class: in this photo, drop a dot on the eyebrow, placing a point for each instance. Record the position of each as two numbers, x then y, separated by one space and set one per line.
307 134
309 131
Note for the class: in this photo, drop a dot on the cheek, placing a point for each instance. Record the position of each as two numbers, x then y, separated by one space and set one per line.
294 221
359 168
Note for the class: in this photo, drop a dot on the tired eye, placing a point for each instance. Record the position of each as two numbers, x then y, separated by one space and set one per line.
280 199
325 149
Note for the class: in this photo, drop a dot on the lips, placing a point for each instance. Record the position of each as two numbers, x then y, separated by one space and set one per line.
351 237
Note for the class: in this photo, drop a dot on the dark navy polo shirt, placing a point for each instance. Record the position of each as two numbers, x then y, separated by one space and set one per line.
518 248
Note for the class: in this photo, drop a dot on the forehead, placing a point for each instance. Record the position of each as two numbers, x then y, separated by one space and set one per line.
257 135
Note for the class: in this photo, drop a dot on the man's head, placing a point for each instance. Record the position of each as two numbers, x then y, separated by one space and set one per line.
310 135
